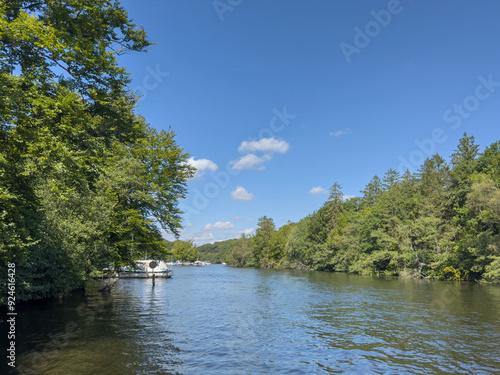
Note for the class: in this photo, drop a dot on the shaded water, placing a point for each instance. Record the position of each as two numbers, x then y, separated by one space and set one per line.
221 320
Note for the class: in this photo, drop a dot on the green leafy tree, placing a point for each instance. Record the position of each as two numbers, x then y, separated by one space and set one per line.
299 250
263 234
82 176
489 162
74 42
484 201
277 243
241 254
185 251
217 252
401 226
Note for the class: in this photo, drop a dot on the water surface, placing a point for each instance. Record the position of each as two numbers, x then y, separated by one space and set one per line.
220 320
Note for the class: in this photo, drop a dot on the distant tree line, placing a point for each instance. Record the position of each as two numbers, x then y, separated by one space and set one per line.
218 251
442 222
85 182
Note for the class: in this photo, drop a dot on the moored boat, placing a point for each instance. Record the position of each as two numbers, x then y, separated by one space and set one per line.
146 268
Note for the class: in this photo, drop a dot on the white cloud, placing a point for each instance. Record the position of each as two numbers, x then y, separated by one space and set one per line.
189 225
219 226
251 161
265 145
247 232
204 237
339 133
318 190
347 197
202 165
241 194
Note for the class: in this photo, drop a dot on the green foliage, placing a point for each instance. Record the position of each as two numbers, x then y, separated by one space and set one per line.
391 179
263 235
443 223
489 162
277 244
372 191
484 201
217 252
241 254
84 181
185 251
74 41
464 162
492 273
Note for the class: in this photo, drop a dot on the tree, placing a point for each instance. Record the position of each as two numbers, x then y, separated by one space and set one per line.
463 159
402 226
74 42
185 251
489 162
241 254
336 194
217 252
434 181
372 191
464 164
484 200
263 233
277 243
82 176
391 178
299 249
334 205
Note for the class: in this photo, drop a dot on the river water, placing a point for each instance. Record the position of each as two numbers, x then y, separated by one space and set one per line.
221 320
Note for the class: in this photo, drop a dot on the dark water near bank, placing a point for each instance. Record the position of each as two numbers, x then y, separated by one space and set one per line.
221 320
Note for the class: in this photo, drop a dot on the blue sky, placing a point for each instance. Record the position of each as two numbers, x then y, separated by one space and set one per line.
276 100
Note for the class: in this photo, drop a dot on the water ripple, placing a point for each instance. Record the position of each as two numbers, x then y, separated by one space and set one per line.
219 320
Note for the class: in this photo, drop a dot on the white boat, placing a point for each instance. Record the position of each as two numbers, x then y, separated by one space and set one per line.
146 268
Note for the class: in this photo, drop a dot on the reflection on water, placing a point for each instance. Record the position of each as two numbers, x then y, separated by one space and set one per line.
220 320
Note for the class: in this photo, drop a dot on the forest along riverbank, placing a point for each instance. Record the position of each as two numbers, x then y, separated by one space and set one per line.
442 222
224 320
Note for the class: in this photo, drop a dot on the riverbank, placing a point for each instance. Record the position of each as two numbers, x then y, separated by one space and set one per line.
402 275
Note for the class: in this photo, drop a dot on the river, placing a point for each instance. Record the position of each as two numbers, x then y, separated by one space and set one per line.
221 320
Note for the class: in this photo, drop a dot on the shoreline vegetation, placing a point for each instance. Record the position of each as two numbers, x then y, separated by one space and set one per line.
442 223
85 182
